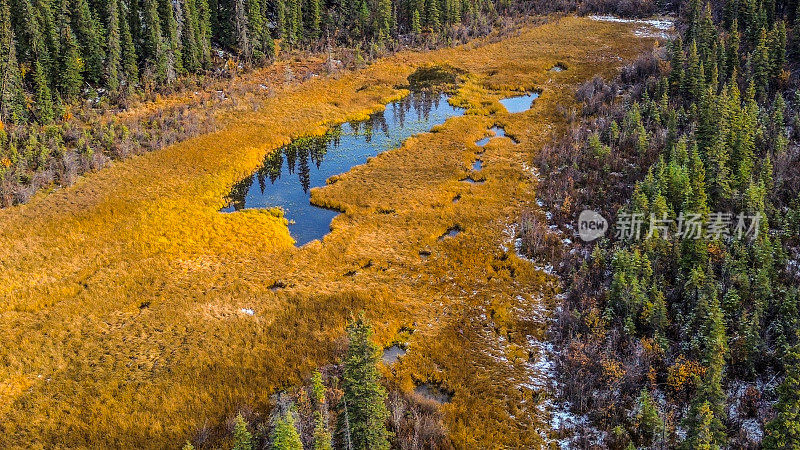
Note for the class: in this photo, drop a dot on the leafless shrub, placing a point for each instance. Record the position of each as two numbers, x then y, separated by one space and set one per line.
645 66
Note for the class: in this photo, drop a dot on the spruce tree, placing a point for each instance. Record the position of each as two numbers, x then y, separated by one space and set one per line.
777 49
760 66
313 25
171 39
648 423
12 99
154 48
284 435
242 438
130 68
732 51
70 66
204 32
364 395
113 46
783 432
676 74
43 100
241 30
322 437
432 14
416 27
694 81
189 33
701 433
89 32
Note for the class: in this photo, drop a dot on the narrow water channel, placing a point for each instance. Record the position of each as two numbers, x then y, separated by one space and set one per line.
288 174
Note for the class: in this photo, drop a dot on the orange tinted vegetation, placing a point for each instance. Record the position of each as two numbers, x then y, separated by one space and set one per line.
121 295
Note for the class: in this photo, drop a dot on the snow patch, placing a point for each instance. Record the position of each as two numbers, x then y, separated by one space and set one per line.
659 28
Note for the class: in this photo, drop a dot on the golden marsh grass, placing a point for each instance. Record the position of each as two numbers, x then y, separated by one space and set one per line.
120 296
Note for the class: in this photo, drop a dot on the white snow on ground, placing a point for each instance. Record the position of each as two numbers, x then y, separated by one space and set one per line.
248 311
660 28
753 430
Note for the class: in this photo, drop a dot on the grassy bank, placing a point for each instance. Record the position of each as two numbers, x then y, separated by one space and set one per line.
120 296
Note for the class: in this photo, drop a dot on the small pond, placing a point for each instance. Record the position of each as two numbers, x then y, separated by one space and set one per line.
498 132
288 174
519 103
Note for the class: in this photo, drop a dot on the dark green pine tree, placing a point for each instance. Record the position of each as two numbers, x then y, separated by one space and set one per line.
777 49
707 34
42 97
263 45
242 438
701 431
432 14
49 32
113 47
732 51
697 203
70 81
313 20
717 155
694 80
383 20
362 20
285 435
715 348
130 69
171 39
155 54
281 25
322 437
694 12
783 432
89 34
12 97
364 396
707 411
205 31
416 26
676 74
760 66
242 30
294 21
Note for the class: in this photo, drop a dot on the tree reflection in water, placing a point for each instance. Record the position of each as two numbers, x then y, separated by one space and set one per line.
315 158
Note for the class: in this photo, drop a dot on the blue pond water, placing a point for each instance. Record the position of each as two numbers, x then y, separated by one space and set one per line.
520 103
288 174
498 132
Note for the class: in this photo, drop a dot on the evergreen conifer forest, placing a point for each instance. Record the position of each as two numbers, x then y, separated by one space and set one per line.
400 224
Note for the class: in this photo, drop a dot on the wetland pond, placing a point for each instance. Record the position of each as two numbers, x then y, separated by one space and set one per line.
288 174
519 103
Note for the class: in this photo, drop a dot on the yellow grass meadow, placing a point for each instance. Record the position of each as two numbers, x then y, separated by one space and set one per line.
121 296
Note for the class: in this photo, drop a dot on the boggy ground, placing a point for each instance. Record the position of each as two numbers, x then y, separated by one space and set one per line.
121 296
